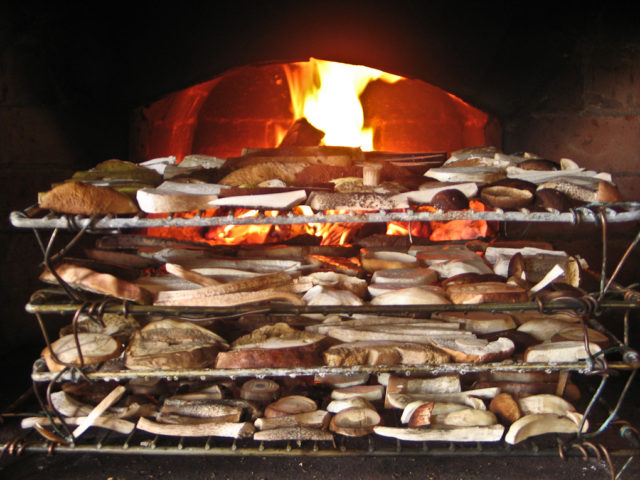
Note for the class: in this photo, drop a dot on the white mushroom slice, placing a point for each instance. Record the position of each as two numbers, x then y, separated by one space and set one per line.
259 390
491 433
320 295
405 276
355 422
468 417
412 296
539 424
480 322
342 380
440 384
369 392
559 352
543 329
336 406
373 261
545 403
291 405
469 398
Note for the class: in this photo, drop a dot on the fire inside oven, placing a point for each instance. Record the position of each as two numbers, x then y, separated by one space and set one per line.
376 335
318 103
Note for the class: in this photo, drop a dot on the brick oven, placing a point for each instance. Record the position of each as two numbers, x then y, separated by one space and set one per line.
80 84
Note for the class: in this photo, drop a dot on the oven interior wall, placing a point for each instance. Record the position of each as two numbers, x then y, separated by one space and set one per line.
563 80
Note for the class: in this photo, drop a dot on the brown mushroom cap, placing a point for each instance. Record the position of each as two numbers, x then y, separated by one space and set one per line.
450 199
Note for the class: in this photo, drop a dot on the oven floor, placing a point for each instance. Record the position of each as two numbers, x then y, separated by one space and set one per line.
91 467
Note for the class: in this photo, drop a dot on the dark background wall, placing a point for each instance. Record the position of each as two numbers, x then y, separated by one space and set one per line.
562 78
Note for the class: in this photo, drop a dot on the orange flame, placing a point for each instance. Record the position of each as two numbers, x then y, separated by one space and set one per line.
328 95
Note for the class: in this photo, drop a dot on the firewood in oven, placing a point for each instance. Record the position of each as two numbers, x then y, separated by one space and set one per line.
95 349
85 199
313 175
347 266
480 151
101 283
171 345
295 252
383 353
317 155
301 134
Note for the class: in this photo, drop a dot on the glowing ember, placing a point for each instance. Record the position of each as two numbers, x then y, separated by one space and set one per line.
328 95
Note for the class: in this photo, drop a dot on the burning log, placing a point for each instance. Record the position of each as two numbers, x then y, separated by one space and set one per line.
302 134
